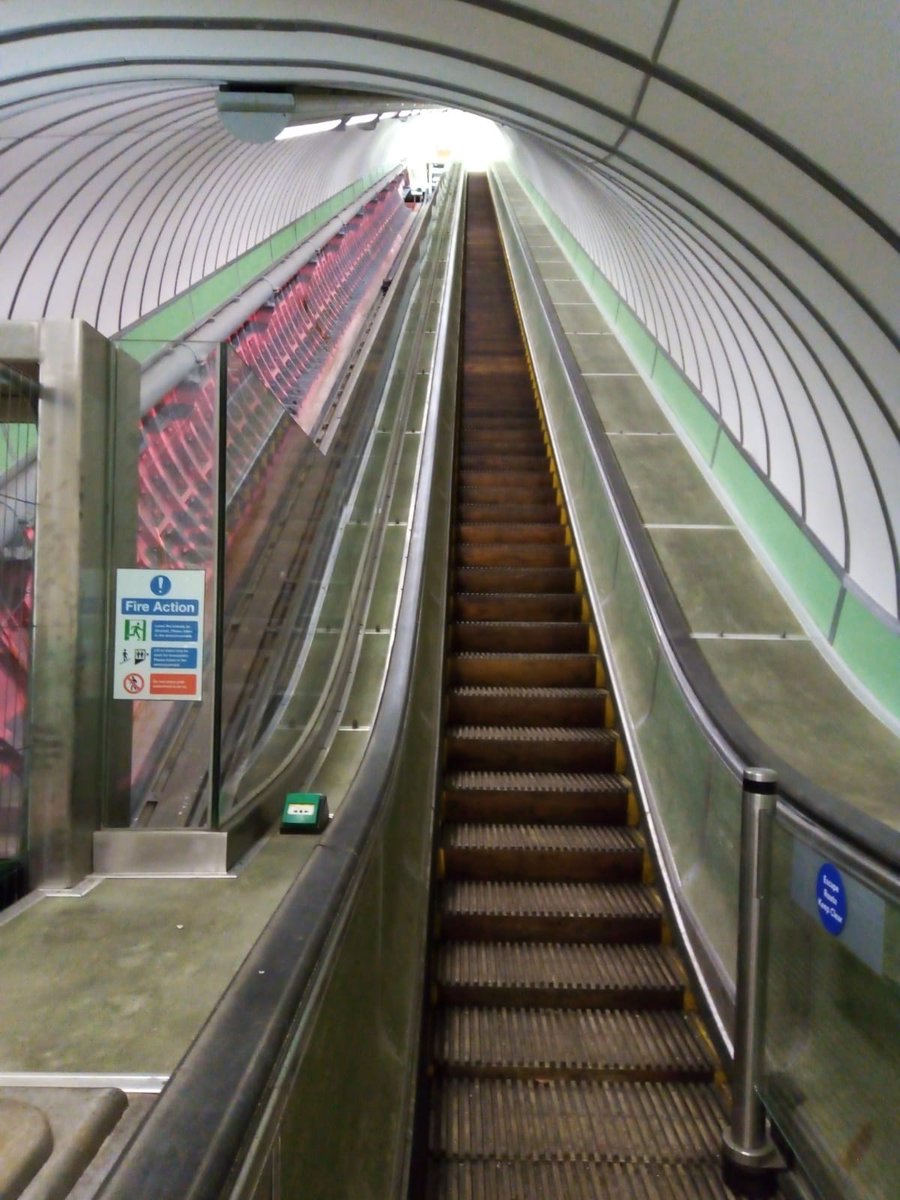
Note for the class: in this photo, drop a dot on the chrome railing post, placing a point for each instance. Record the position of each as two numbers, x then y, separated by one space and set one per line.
749 1157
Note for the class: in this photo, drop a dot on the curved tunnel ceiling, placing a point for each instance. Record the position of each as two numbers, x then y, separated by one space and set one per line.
732 169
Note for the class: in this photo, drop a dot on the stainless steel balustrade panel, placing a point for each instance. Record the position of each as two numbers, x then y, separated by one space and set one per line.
85 500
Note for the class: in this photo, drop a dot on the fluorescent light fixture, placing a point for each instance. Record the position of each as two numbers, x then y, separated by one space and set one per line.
295 131
386 116
362 118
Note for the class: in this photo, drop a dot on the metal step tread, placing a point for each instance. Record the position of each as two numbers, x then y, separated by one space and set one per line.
596 1120
506 597
513 692
518 626
472 1038
543 512
589 839
553 580
536 781
532 733
573 1179
510 527
473 457
481 897
525 656
558 965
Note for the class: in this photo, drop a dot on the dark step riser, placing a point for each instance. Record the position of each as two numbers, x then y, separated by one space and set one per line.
488 927
480 451
495 638
494 494
511 514
536 866
496 443
515 995
559 670
509 427
517 608
577 757
506 464
511 477
512 556
497 534
573 712
493 808
662 1074
533 580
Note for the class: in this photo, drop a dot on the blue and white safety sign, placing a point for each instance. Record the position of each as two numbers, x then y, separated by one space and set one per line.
831 898
159 635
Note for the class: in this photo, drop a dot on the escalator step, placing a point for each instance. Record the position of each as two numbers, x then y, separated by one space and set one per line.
574 1180
547 975
506 491
533 852
488 457
493 531
521 637
526 440
523 670
661 1123
513 514
548 911
532 554
648 1046
531 797
515 579
531 747
513 475
597 839
528 706
516 606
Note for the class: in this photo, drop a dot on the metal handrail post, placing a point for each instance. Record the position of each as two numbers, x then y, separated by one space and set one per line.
750 1159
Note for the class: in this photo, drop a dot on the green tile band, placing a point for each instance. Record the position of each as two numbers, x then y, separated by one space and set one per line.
174 319
866 643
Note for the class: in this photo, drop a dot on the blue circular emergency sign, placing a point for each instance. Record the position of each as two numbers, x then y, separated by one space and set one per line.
160 585
831 898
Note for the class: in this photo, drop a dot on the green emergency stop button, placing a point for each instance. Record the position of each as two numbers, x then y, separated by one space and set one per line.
304 812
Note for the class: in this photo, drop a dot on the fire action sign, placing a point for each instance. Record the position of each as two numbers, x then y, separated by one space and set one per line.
159 635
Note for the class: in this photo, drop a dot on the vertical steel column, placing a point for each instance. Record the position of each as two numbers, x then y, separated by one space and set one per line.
750 1160
77 768
221 541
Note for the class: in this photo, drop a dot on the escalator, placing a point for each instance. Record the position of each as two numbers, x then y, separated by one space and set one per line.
565 1060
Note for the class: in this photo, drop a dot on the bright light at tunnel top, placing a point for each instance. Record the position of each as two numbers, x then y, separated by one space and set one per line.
451 136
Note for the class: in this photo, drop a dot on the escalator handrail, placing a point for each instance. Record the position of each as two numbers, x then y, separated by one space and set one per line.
874 846
192 1138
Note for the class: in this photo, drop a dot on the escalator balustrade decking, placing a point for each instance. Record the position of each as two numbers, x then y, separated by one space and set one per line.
564 1062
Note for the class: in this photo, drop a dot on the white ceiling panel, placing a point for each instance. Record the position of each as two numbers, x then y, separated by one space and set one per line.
821 74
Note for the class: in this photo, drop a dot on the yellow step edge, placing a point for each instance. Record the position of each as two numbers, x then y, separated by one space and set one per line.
699 1027
621 758
634 811
609 712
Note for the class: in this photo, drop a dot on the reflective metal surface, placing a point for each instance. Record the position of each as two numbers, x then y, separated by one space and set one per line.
84 472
